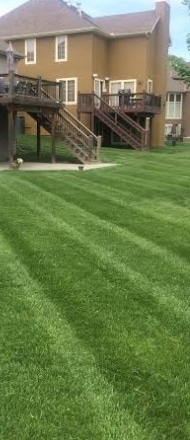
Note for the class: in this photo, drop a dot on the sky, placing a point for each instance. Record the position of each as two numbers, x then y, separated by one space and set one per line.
179 25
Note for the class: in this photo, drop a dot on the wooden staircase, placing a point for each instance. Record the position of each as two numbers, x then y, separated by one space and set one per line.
74 135
129 131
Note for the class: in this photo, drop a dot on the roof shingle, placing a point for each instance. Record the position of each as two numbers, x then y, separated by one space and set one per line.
128 23
43 17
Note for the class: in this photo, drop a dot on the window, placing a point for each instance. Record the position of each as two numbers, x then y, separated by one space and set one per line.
168 129
69 90
61 44
115 86
174 103
30 51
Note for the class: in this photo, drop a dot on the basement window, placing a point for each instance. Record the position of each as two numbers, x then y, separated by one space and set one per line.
30 51
61 45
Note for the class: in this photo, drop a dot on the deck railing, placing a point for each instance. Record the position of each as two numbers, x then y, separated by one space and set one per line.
129 102
12 85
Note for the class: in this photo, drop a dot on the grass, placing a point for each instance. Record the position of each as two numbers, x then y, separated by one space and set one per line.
26 149
94 286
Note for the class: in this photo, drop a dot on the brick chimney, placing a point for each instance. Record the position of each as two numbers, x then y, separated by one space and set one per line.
162 9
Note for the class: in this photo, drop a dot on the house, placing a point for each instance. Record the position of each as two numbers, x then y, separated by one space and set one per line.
96 59
177 105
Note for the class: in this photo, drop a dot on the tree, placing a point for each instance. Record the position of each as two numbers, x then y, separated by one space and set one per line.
181 66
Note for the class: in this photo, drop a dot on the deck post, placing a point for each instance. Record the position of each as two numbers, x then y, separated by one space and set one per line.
38 140
10 134
99 144
11 83
39 87
61 92
78 107
147 133
14 132
53 155
92 122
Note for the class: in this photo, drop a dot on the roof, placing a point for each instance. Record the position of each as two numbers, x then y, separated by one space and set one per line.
3 46
42 17
137 22
53 17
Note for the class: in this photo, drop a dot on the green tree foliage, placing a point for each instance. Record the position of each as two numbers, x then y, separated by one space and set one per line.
181 66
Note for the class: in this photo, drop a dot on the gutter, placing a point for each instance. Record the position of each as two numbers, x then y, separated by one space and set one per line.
109 35
155 24
51 33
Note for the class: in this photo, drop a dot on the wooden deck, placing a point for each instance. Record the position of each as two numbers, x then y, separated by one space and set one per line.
143 103
28 94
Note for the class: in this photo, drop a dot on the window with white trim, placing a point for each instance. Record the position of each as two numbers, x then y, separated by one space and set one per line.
168 129
116 86
61 48
174 103
69 90
30 51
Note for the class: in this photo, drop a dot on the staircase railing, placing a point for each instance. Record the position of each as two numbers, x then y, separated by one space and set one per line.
91 142
73 131
72 126
130 103
127 125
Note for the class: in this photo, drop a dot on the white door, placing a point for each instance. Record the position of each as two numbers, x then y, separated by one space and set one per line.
114 89
130 85
115 86
98 90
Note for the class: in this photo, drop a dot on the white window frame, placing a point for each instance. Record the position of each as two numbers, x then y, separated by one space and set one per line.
26 61
149 81
76 89
60 60
122 81
114 100
168 128
181 107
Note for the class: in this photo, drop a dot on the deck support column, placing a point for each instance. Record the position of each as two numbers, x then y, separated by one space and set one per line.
147 133
14 132
11 132
92 122
38 140
53 126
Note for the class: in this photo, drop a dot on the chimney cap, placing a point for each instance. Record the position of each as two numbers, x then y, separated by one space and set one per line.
78 5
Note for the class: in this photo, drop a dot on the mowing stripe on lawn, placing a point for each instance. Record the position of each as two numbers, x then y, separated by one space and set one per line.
119 282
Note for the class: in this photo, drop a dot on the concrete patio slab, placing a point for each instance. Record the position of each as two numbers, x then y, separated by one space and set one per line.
33 166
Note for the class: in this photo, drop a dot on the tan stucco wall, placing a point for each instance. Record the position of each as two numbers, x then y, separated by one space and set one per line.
100 57
78 64
128 60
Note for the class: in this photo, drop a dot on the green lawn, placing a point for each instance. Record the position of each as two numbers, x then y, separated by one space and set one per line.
95 308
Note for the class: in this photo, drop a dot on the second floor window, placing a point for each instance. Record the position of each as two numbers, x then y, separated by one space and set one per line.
30 51
174 103
61 48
